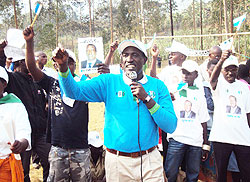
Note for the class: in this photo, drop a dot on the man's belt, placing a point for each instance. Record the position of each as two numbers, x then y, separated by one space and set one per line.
133 154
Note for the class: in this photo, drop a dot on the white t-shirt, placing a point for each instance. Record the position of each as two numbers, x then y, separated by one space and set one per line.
232 102
50 72
171 76
191 111
14 125
203 70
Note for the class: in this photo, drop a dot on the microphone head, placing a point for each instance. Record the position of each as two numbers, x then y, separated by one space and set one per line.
132 75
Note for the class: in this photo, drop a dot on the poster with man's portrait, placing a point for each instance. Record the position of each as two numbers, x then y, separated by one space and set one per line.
90 53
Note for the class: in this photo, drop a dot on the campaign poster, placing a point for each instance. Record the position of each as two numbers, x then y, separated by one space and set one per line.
90 53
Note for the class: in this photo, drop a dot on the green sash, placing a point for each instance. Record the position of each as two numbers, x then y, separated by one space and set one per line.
10 98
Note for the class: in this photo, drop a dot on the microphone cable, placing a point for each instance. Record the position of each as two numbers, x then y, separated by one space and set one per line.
133 76
138 101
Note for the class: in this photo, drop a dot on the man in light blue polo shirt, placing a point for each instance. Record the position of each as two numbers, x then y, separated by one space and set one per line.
136 105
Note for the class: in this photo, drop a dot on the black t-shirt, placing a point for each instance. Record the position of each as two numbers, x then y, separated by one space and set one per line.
33 98
67 126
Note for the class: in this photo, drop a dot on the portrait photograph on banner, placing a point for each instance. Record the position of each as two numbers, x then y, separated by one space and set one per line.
90 53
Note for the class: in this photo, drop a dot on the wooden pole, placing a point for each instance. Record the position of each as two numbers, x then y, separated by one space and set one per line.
231 16
93 22
111 21
194 23
171 18
15 15
90 19
111 26
220 23
201 24
57 23
137 18
225 15
143 20
30 11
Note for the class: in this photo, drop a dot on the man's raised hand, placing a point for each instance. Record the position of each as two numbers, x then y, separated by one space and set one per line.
60 55
155 51
28 34
3 44
226 54
103 68
114 46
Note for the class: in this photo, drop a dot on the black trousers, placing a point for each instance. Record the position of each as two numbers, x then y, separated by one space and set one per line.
42 150
222 152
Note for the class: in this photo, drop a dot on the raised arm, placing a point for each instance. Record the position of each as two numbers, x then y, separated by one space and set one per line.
60 56
155 53
205 141
110 54
36 73
3 44
217 69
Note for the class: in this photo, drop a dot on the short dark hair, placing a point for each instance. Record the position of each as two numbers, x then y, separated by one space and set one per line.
3 80
243 71
17 63
91 45
212 62
70 59
248 64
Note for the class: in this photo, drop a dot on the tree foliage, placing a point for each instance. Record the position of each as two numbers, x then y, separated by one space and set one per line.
73 20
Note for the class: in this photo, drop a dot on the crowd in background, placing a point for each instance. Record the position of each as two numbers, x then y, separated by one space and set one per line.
203 113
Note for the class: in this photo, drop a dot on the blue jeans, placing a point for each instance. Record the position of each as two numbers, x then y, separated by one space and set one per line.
175 155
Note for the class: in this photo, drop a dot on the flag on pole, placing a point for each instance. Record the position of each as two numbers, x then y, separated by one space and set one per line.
149 45
227 44
238 21
37 11
38 8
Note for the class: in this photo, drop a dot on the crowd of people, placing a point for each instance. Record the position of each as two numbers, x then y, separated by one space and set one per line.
202 112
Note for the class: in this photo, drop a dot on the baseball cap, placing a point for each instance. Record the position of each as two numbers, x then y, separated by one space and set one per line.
3 74
232 60
178 47
14 52
190 66
94 139
132 43
71 54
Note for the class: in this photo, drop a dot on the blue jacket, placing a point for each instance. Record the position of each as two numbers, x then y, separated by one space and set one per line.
121 111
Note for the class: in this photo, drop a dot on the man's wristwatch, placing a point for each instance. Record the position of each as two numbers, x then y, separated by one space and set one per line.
147 99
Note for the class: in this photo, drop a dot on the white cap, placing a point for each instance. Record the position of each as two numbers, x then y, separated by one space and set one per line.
94 139
14 52
232 60
3 74
178 47
132 43
190 66
15 38
71 54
